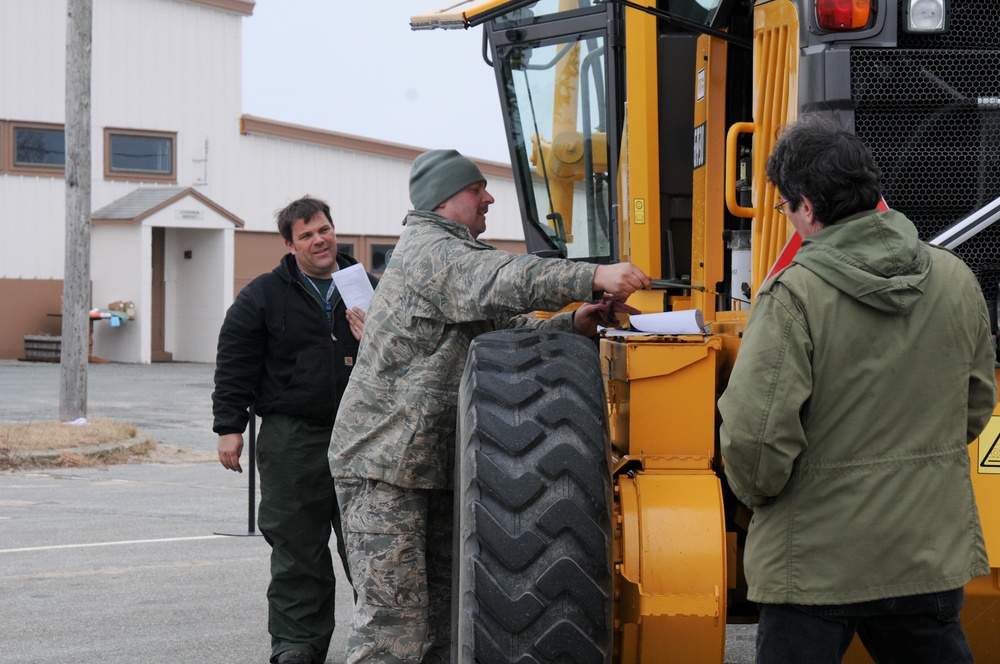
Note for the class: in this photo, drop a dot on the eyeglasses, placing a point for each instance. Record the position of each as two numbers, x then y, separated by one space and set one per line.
780 207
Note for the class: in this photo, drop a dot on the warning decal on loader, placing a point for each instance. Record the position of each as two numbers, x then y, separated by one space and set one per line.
989 447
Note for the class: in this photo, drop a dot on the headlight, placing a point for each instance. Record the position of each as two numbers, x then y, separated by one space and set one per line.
926 15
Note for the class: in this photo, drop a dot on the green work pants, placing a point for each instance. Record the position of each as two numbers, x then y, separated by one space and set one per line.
298 510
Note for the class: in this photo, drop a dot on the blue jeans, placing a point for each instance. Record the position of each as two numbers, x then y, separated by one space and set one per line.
919 629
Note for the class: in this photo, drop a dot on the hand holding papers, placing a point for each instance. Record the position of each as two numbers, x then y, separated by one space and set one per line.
354 286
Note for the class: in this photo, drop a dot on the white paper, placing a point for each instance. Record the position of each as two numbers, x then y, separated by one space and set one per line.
354 286
689 321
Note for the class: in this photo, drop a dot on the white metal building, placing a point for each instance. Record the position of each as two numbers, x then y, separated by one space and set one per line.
184 186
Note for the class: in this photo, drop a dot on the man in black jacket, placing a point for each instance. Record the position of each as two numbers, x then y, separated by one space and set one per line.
287 347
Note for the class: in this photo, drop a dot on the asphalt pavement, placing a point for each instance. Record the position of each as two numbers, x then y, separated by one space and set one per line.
150 562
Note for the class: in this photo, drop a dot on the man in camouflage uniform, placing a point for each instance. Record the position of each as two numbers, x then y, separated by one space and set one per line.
392 450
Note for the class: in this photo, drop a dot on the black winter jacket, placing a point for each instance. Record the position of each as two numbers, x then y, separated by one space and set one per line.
276 352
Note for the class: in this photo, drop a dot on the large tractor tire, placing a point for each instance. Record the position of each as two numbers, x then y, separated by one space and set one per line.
532 503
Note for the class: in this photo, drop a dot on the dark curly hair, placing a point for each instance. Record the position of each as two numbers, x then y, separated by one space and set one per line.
817 158
305 208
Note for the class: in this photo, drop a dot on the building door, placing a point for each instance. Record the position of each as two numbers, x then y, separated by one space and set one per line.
158 351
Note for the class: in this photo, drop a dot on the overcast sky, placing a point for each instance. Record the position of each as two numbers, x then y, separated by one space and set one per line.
354 66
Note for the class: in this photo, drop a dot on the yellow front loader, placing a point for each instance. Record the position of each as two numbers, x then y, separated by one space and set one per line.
593 519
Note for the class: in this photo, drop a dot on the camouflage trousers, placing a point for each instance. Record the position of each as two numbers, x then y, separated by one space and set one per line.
399 550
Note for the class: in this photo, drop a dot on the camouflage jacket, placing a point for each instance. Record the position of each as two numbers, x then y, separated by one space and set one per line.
440 289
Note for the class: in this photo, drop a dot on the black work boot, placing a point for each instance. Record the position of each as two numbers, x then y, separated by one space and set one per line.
295 657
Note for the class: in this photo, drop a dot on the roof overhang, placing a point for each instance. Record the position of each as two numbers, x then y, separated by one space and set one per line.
142 203
244 7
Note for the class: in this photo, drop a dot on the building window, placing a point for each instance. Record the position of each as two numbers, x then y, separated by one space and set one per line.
139 155
38 149
345 248
380 256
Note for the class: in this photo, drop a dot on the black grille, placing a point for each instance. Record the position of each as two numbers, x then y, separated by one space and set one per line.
930 112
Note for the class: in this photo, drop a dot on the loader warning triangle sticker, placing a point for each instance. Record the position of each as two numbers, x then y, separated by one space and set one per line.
989 447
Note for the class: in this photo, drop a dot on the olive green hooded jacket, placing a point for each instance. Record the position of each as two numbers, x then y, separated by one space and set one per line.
441 289
865 369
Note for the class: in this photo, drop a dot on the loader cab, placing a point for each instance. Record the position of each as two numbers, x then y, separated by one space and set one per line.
601 180
558 75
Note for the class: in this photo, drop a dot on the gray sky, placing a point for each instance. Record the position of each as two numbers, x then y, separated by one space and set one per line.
354 66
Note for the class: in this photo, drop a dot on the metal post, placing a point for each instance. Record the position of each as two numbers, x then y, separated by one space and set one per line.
252 463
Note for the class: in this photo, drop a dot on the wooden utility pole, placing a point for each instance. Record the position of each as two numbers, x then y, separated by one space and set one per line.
76 274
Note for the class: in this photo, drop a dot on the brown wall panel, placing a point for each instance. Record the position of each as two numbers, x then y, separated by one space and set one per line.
30 302
255 254
513 246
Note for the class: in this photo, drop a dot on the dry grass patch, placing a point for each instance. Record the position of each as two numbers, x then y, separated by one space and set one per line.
36 436
55 444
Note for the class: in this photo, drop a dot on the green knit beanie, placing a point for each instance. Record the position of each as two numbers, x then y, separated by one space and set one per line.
438 175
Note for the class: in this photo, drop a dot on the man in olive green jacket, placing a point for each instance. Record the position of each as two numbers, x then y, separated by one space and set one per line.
392 451
865 370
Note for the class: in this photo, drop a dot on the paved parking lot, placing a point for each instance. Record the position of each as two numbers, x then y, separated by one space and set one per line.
125 564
